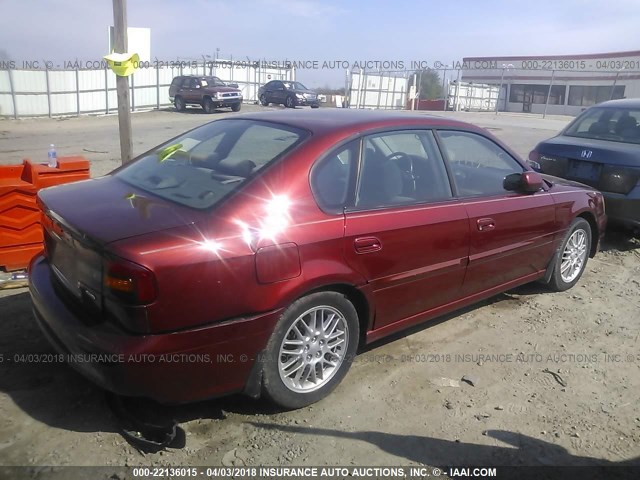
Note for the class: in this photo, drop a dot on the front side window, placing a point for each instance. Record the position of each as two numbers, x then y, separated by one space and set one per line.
617 124
202 166
401 168
479 165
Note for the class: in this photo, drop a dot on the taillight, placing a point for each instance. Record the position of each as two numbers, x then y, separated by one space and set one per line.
130 282
534 160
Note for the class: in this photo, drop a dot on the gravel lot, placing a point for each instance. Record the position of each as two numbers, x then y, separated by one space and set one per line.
403 402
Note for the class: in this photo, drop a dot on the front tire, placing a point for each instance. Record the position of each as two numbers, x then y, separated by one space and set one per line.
208 106
290 102
572 257
310 350
263 100
236 107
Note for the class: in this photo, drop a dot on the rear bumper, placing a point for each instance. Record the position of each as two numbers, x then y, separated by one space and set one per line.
623 209
178 367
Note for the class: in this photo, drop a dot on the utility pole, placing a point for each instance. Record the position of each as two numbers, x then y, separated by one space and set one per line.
120 44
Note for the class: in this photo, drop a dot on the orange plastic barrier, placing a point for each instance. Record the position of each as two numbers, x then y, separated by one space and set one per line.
20 227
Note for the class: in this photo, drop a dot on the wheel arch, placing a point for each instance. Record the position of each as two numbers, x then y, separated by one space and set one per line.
591 220
595 232
356 297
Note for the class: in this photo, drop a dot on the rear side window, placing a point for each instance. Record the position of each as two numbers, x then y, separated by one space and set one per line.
479 165
331 177
202 166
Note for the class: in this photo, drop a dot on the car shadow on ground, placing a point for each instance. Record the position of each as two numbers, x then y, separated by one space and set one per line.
618 239
518 450
194 110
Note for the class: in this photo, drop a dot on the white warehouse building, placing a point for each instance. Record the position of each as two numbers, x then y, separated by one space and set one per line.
557 84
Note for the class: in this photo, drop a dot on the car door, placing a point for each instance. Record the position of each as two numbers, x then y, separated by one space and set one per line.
187 89
278 92
268 91
511 232
404 232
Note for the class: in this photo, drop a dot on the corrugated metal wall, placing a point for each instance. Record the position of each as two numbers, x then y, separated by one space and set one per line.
26 93
378 90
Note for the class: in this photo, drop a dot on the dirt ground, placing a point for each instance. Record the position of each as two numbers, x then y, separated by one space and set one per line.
403 402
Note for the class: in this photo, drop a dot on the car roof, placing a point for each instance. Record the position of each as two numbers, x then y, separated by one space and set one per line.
621 103
195 76
329 120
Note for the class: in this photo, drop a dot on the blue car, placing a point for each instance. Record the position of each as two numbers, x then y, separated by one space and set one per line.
600 148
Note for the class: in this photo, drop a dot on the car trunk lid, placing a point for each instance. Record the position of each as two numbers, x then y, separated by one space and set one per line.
81 219
605 165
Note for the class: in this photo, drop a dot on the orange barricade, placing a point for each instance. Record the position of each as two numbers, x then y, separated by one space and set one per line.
20 227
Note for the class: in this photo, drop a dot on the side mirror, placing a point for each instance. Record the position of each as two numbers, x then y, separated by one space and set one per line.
233 85
528 182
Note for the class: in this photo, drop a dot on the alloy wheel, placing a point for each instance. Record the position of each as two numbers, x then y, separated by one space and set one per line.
574 256
313 349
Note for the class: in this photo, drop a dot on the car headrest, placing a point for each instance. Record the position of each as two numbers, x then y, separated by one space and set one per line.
242 168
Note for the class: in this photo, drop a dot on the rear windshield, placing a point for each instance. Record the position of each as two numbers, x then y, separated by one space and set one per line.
202 166
616 124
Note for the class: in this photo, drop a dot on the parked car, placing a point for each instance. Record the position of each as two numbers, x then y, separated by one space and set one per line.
257 253
601 148
208 92
288 93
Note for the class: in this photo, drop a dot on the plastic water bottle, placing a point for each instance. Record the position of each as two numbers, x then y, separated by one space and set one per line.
53 156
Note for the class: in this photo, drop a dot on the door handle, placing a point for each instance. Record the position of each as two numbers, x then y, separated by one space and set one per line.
367 244
486 224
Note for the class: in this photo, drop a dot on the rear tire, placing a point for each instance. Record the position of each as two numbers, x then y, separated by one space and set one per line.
179 104
315 106
572 257
310 350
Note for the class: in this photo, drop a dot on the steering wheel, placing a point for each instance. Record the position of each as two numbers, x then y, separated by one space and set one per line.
406 166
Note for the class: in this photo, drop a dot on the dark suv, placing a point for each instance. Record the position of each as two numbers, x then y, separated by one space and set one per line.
208 92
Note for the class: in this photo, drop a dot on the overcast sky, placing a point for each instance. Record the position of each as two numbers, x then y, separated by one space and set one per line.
321 30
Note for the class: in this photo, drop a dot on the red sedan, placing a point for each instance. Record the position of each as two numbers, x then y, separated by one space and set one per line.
257 253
